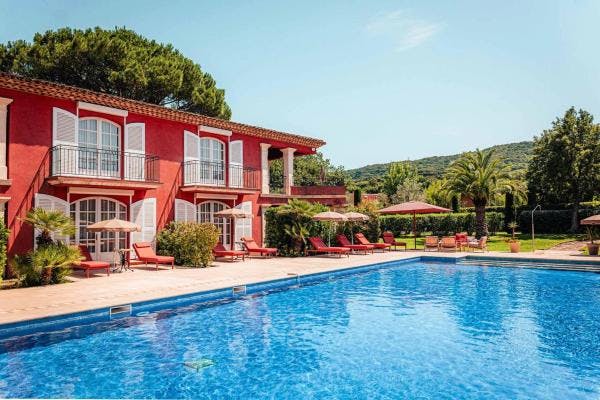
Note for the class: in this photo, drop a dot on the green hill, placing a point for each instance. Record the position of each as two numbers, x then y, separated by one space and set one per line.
515 154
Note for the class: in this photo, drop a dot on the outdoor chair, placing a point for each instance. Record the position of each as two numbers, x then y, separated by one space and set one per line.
431 242
88 263
344 242
480 244
363 240
146 254
388 237
448 243
252 247
319 247
220 251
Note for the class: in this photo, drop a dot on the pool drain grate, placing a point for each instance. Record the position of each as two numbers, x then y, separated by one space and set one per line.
197 365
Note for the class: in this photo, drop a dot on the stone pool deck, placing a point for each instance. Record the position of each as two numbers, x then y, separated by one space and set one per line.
101 291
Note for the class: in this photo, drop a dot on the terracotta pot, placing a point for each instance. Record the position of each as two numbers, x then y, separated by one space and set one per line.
515 246
592 249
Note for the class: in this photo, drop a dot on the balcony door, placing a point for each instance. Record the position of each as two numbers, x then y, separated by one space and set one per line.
98 148
212 162
102 245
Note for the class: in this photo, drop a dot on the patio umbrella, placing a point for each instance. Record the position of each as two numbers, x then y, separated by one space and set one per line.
414 208
593 220
330 216
353 216
232 214
114 225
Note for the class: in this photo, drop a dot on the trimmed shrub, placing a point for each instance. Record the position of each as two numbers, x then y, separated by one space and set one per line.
190 243
440 224
552 221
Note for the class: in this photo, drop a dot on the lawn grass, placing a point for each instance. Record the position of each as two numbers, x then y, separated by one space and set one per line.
498 242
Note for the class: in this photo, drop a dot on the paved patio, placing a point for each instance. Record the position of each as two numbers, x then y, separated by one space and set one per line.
147 284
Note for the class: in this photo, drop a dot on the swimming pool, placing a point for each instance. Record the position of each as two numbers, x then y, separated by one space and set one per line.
412 330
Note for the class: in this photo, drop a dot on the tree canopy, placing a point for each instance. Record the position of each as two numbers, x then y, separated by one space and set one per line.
480 176
119 62
566 160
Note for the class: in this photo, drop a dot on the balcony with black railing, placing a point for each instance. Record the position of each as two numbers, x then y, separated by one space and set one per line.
87 162
218 174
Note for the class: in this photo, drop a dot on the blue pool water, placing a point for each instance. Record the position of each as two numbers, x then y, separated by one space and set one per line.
417 330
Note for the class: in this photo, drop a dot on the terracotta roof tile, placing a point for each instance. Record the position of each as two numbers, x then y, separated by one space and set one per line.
60 91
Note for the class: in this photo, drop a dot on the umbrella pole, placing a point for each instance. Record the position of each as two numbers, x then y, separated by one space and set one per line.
415 228
352 232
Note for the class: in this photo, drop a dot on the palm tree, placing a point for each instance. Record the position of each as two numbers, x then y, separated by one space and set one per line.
480 176
48 223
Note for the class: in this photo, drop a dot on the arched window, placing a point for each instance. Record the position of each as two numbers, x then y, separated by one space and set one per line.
99 143
206 211
89 210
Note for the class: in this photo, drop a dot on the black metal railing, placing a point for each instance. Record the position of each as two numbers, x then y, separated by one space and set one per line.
99 163
212 173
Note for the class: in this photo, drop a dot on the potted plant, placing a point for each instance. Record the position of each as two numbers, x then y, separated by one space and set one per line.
513 243
591 246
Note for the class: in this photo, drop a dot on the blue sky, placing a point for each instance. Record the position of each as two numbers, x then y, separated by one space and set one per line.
378 80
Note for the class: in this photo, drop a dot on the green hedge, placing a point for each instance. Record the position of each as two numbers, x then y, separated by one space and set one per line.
442 224
552 221
275 235
4 233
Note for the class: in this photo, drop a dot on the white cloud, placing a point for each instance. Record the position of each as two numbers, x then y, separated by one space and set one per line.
406 31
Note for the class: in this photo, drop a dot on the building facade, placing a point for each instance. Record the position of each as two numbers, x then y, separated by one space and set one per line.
96 156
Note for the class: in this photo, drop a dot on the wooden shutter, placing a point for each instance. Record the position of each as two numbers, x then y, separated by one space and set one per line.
185 211
191 156
243 226
65 128
135 151
143 213
51 203
236 163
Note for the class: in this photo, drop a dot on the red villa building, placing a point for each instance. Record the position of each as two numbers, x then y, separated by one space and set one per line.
97 156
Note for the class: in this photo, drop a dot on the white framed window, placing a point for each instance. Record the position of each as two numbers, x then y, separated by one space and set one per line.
98 143
84 212
206 211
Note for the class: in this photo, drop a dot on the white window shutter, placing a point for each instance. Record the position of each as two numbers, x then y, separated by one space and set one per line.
51 203
64 127
143 213
185 211
243 226
236 163
135 148
191 145
191 156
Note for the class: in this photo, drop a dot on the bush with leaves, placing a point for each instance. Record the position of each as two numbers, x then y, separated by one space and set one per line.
439 224
49 223
371 228
46 265
288 226
190 243
553 221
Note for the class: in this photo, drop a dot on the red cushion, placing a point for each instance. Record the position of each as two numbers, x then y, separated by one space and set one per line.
93 265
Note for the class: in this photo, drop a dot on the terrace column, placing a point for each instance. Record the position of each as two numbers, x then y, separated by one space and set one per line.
264 167
4 102
288 170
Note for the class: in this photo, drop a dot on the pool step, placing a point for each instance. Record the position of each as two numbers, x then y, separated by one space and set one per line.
531 264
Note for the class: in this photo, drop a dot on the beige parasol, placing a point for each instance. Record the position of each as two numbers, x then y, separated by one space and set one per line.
233 214
331 217
354 216
114 225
